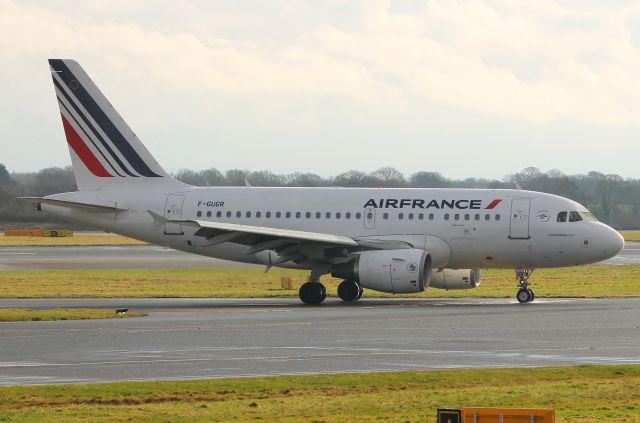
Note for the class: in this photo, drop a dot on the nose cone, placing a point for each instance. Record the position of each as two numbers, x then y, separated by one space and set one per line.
611 242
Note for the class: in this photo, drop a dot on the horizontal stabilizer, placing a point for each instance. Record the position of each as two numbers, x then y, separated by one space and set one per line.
73 204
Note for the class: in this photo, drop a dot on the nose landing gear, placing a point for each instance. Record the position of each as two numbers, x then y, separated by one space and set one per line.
525 294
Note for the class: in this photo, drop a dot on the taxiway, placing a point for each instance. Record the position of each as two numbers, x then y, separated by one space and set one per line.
214 338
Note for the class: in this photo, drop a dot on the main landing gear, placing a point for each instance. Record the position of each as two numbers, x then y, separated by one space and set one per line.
312 292
525 294
349 290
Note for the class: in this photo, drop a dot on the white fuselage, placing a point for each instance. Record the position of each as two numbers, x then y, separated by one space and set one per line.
462 228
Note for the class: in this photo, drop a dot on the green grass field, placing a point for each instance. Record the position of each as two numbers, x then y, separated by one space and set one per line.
582 394
25 314
585 281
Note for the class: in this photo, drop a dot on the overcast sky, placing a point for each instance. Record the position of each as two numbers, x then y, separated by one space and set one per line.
465 88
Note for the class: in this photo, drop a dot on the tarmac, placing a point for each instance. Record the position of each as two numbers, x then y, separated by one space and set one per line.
155 257
216 338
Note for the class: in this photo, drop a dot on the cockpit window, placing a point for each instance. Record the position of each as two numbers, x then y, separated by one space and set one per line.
588 216
562 217
574 216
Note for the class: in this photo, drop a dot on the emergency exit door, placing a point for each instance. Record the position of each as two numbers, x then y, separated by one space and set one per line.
519 227
173 211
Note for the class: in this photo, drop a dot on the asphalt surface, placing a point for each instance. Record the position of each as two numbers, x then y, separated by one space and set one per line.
154 257
213 338
106 257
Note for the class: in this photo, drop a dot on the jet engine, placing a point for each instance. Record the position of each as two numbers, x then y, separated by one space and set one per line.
394 271
456 278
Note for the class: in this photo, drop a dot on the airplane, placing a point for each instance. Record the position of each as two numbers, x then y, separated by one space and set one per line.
395 240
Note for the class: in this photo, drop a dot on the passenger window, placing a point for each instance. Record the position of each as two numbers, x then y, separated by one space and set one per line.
199 214
431 216
287 215
446 216
574 217
228 214
347 215
562 216
410 216
400 216
209 213
466 217
497 217
487 217
477 216
268 215
359 215
258 214
456 216
238 214
328 215
298 215
338 215
318 215
219 214
420 216
385 216
278 214
248 214
307 215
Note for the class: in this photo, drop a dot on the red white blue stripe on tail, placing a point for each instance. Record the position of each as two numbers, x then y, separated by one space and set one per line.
97 135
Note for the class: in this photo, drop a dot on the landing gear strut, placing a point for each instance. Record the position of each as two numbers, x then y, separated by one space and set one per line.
525 294
349 290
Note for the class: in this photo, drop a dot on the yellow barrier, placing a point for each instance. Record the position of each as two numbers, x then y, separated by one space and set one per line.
497 415
39 233
286 283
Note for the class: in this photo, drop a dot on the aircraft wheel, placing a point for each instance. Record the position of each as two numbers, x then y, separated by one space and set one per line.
524 296
312 293
533 295
324 291
349 290
360 292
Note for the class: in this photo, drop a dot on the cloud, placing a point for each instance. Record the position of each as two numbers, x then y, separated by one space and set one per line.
534 61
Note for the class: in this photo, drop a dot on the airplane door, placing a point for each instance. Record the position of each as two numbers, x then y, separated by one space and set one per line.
173 211
519 227
369 218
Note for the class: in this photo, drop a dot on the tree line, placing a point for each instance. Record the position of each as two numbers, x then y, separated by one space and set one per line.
612 198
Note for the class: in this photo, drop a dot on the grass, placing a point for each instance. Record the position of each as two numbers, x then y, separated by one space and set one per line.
26 314
578 394
83 239
585 281
633 236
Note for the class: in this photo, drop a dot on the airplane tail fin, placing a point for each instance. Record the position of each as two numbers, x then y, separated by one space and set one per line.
104 150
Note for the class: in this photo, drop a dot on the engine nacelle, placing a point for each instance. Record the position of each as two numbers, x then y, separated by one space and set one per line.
456 278
394 271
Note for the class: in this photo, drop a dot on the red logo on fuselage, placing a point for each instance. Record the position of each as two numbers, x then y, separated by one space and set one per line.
493 203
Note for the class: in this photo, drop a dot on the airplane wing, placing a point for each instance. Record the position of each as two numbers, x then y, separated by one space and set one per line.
291 245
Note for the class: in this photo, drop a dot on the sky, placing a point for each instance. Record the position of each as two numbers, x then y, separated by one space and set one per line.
464 88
